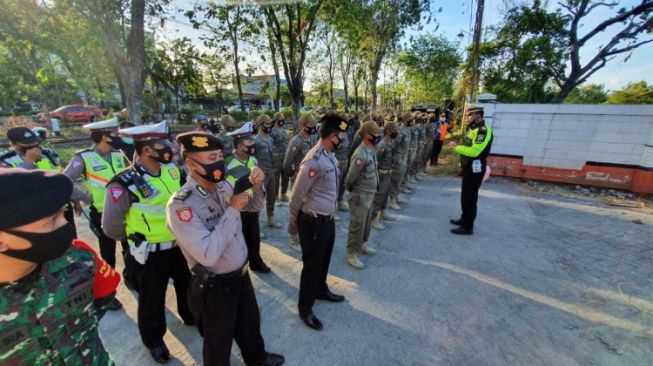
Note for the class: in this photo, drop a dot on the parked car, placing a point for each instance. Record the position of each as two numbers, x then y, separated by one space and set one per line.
306 109
236 108
25 107
73 113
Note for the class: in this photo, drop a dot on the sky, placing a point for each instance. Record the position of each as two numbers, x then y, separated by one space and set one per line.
454 18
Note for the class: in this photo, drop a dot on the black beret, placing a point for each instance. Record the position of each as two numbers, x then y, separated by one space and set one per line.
197 141
334 122
22 135
30 195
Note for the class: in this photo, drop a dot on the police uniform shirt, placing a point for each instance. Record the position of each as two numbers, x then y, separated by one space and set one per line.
316 185
362 175
208 230
264 152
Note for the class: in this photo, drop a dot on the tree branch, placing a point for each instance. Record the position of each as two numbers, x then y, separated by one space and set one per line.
645 6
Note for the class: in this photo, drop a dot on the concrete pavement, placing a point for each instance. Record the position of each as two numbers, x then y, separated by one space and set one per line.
545 280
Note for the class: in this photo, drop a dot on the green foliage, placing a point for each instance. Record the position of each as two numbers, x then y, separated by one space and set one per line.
430 67
175 66
633 93
588 94
240 116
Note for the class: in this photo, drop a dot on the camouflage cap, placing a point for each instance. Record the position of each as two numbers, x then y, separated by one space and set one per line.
278 116
370 127
308 120
406 116
227 121
264 120
366 118
391 126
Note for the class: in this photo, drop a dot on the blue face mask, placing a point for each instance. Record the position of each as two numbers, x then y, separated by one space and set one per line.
128 140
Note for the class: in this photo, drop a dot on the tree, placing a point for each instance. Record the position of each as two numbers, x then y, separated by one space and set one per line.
535 47
229 26
633 93
430 65
588 94
214 77
292 26
380 24
176 67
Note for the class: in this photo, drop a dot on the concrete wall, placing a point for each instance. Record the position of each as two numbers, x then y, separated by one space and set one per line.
562 140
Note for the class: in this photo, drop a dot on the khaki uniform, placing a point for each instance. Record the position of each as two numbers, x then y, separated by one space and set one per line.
228 143
384 157
362 181
297 149
343 164
279 147
266 161
399 159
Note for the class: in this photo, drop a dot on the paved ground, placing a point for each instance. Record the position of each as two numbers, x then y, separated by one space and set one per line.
546 280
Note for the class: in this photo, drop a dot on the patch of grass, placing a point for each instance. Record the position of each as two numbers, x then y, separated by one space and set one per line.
449 161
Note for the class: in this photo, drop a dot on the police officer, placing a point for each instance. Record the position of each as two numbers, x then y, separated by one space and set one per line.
228 124
399 161
266 161
52 293
242 163
206 125
28 154
312 204
279 146
205 216
343 164
96 166
298 147
473 151
134 209
384 157
362 181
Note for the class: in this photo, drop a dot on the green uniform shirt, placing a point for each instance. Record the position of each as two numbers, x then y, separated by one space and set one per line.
49 317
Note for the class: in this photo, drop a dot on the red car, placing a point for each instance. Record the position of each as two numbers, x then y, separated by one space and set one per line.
75 113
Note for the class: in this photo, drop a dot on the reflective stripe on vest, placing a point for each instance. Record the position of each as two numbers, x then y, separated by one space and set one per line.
236 168
98 173
148 215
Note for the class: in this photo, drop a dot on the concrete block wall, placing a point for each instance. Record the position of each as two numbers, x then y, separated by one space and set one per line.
569 136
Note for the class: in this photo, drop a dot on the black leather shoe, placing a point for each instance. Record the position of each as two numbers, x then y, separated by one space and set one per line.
312 321
160 354
462 231
260 267
456 222
272 359
115 305
330 296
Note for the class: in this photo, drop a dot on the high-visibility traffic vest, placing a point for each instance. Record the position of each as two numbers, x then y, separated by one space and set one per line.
15 160
99 172
237 169
148 215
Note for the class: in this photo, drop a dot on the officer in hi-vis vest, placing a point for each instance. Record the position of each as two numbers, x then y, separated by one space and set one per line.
96 166
134 208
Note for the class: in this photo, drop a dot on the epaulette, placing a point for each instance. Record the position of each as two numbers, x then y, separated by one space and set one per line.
318 153
124 178
182 194
79 152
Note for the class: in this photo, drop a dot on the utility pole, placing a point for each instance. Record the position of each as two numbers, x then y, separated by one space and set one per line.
476 48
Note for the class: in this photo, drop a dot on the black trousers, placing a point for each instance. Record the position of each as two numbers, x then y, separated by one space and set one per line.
469 196
435 153
229 313
252 234
282 181
316 237
107 245
151 284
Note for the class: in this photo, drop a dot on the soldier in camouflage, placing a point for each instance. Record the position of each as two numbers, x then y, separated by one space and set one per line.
399 161
228 125
52 293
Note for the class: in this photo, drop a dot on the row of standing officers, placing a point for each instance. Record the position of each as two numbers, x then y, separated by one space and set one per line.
192 215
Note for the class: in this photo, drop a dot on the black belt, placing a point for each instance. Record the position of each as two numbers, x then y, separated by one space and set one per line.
319 217
206 275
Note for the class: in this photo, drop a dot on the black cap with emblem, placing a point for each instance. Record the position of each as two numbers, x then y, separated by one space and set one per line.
197 141
333 123
22 135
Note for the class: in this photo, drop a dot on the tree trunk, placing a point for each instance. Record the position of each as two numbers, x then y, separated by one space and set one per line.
564 92
239 86
277 77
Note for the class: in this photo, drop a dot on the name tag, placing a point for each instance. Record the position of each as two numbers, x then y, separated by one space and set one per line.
98 168
477 167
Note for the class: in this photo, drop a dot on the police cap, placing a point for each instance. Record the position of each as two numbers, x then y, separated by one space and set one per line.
22 135
197 141
334 122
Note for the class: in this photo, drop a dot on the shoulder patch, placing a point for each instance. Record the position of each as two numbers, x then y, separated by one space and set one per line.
116 193
358 162
184 214
182 194
312 172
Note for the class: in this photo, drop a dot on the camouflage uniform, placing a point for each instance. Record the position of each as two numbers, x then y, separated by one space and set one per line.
279 142
50 317
399 160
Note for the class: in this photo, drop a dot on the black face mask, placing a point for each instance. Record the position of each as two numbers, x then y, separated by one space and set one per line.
251 150
116 142
338 145
375 140
45 246
215 172
394 135
267 130
311 130
165 155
